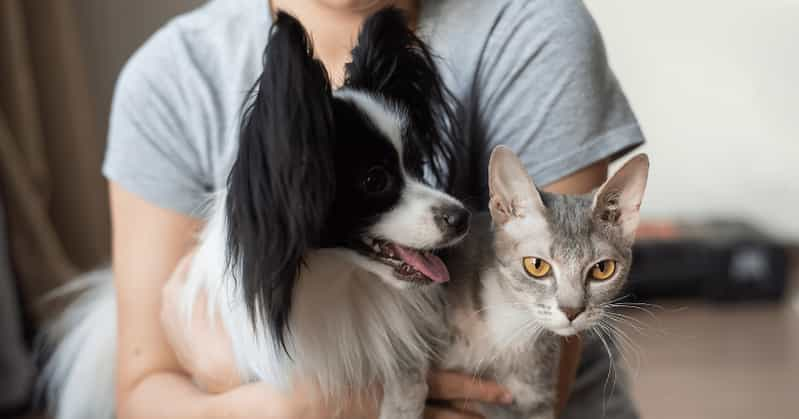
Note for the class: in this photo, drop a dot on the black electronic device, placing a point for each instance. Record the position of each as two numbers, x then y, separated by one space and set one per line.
719 260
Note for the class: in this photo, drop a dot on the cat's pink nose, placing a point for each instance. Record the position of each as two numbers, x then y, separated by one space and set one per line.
572 312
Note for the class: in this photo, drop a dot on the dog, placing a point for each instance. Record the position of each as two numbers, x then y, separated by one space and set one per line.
352 174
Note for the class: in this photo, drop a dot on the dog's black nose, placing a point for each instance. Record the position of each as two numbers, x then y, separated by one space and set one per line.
452 220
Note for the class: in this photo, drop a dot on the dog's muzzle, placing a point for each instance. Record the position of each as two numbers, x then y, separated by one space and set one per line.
452 220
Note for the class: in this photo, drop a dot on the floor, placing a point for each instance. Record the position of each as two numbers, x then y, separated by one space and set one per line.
704 361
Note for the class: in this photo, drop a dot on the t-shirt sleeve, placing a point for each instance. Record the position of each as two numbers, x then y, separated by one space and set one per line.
152 150
546 90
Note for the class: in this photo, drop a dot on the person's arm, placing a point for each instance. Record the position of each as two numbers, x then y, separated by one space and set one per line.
580 182
148 242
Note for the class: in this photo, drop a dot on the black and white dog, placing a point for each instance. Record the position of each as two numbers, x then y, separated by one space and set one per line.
321 176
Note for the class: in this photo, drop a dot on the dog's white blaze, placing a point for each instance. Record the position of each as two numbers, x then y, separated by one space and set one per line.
388 120
411 222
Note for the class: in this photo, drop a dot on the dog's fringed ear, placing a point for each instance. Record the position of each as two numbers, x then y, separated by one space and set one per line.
282 182
391 60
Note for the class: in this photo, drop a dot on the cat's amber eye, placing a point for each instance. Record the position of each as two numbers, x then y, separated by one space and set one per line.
603 270
536 267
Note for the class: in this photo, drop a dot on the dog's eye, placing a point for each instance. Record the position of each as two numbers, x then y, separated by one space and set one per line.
377 180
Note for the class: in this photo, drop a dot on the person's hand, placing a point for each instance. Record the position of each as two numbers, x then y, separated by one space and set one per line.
460 393
202 348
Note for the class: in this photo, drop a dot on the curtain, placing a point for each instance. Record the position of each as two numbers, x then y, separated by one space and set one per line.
50 151
16 365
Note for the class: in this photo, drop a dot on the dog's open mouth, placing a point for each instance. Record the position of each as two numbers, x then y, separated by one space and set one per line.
411 265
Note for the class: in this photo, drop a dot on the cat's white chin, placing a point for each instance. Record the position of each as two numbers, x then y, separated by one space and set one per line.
565 331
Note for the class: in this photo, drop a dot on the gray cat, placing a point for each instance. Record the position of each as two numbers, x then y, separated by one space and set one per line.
540 267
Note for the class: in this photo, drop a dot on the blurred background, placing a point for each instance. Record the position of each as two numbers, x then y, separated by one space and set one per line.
713 82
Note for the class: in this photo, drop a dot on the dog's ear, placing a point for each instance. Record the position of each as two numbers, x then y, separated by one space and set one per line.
389 59
282 182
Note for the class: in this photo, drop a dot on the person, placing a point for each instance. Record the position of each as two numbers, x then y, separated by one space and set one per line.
532 75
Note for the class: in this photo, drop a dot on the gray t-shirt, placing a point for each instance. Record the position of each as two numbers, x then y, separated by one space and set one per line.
531 74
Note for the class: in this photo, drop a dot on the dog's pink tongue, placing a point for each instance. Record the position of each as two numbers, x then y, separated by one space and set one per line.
430 265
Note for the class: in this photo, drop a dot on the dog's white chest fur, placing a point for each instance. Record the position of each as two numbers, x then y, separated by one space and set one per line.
371 330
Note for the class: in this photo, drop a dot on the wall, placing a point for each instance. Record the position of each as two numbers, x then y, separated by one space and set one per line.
715 84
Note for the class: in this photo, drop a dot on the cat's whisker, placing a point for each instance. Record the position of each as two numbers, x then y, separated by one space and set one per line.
619 298
635 307
611 369
535 332
625 343
648 325
501 305
632 319
626 321
643 304
631 304
612 336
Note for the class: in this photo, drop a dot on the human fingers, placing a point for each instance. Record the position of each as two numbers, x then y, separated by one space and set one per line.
448 385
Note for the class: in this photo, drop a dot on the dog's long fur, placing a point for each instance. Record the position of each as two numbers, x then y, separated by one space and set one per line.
78 380
318 173
350 329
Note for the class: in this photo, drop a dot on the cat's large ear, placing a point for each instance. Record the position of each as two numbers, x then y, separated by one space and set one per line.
281 184
512 191
617 202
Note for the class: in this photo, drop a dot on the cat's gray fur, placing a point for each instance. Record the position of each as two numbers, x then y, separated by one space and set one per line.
506 325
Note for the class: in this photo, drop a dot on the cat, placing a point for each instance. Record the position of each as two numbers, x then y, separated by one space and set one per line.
537 267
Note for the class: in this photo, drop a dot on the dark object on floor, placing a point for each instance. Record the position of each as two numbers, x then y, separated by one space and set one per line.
719 260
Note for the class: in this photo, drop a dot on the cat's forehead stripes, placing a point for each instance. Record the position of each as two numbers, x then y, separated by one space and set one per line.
569 218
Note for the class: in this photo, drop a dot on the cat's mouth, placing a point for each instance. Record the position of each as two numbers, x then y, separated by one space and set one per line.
416 266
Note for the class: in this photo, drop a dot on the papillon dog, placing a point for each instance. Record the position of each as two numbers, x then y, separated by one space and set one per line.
322 177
